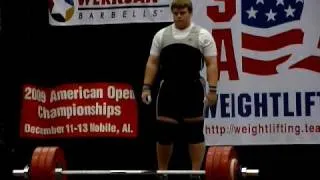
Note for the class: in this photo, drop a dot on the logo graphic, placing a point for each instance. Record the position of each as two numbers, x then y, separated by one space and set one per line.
273 25
61 10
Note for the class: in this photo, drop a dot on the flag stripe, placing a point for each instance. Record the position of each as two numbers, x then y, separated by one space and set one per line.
311 63
270 55
275 42
258 67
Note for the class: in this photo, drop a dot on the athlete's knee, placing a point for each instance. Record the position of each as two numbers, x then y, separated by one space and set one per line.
194 131
166 132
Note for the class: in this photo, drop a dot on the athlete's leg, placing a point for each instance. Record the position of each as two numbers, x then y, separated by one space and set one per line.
164 146
193 124
166 125
197 148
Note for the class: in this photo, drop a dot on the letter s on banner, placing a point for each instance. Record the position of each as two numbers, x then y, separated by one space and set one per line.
227 15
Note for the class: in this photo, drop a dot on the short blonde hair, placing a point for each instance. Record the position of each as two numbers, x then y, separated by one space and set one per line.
177 4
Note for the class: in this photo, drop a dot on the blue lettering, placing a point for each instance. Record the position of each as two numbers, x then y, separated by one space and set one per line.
212 110
233 109
286 111
257 104
275 103
298 104
224 105
244 109
309 102
260 105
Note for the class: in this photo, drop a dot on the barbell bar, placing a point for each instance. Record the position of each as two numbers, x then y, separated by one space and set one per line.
60 171
126 172
49 163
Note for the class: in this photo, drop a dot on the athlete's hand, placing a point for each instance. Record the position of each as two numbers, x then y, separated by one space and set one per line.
211 98
146 96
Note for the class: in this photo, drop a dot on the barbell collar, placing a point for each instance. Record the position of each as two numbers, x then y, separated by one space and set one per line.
249 172
22 172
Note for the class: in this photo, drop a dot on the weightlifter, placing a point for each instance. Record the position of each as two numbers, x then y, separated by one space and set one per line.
179 51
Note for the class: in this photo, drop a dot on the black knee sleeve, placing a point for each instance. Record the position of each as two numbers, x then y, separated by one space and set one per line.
166 132
194 131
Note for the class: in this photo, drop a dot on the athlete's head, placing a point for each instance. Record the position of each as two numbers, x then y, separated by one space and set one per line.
182 13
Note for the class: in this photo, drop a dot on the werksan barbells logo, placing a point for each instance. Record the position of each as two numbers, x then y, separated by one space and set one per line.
61 10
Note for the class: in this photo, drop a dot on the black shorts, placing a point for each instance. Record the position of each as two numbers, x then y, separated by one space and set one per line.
179 100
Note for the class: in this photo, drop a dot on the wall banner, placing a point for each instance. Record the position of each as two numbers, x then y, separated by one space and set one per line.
269 70
95 12
79 110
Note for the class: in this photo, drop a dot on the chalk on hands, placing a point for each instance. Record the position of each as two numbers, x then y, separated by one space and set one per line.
149 99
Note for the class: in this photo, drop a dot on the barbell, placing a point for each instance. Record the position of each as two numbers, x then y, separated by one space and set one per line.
49 163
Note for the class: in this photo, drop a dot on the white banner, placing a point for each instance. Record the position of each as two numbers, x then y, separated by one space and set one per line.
269 67
95 12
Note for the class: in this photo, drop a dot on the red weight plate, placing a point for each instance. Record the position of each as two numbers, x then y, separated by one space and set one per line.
216 164
37 157
41 163
225 164
34 162
61 162
212 164
223 168
55 159
209 162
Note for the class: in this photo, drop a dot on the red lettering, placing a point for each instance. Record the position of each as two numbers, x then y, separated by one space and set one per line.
225 35
244 129
230 10
96 2
81 2
311 128
153 1
103 2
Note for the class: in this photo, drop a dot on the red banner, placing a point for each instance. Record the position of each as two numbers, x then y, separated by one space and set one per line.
79 110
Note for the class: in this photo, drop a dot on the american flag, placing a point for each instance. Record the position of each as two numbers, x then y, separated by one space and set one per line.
270 26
